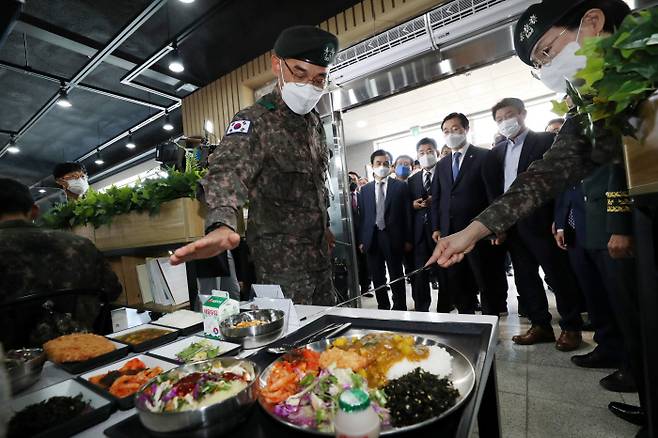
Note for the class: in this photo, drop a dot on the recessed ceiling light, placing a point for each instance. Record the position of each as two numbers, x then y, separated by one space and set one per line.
361 124
186 1
42 191
13 149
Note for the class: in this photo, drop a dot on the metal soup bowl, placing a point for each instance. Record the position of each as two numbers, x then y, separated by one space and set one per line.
24 367
274 318
222 416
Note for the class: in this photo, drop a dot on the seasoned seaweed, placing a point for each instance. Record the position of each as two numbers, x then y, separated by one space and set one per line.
41 416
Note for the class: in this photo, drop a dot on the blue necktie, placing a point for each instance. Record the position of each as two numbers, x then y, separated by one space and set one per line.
455 165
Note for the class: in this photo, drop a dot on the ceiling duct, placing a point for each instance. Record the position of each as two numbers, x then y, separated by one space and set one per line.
443 25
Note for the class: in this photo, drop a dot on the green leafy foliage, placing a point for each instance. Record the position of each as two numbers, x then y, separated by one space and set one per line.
98 208
621 73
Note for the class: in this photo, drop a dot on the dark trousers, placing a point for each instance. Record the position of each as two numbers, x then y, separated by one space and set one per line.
381 256
364 275
529 252
420 290
598 282
483 271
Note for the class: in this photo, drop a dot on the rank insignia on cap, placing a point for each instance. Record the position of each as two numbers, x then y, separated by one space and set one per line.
238 127
528 28
329 53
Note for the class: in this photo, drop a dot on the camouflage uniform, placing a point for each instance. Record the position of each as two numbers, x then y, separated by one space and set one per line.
38 260
277 161
571 158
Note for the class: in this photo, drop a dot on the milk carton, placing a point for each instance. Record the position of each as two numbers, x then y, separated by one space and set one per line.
216 309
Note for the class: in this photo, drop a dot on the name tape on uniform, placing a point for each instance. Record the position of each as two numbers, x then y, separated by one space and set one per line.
238 127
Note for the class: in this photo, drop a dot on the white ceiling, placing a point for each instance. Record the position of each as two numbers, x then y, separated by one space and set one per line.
470 93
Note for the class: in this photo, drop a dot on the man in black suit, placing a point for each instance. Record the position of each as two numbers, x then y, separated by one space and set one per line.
384 229
530 241
361 262
459 196
420 191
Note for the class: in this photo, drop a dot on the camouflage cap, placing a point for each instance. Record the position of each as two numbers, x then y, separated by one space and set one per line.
536 21
307 43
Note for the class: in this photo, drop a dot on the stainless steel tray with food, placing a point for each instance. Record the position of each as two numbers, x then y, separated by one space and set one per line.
253 328
121 380
59 410
194 349
24 367
412 381
218 393
145 337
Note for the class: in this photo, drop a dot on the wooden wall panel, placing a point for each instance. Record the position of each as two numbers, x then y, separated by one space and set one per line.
221 99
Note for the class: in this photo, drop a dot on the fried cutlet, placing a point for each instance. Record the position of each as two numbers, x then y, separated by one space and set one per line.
77 347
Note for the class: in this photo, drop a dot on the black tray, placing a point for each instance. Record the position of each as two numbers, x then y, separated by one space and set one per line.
88 365
152 343
190 330
470 339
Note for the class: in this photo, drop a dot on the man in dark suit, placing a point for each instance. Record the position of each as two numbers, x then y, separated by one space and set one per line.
420 191
459 196
384 229
530 241
586 226
362 264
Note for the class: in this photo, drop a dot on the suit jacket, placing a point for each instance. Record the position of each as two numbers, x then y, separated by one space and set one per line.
572 199
457 203
417 191
534 147
397 214
607 206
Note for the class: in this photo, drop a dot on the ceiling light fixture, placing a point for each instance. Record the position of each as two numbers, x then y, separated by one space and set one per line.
176 62
186 1
130 144
99 160
167 123
13 149
42 190
63 99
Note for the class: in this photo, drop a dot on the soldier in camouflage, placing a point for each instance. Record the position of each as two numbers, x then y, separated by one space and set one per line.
274 156
35 260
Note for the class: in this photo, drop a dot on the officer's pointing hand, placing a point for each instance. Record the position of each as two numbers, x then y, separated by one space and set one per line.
213 243
452 249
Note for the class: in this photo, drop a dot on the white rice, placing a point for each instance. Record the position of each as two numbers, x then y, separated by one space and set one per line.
439 362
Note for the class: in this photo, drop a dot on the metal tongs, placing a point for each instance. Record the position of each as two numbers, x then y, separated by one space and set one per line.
324 333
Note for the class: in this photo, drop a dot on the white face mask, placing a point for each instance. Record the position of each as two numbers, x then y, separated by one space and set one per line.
455 141
427 161
382 171
509 127
300 98
563 68
78 186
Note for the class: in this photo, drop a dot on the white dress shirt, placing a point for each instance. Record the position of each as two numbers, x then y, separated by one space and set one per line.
512 157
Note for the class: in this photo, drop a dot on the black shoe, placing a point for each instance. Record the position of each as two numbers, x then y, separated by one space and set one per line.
619 381
435 285
588 327
594 359
632 414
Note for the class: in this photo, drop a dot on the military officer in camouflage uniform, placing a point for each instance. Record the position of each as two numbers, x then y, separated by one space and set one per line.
35 260
275 157
547 37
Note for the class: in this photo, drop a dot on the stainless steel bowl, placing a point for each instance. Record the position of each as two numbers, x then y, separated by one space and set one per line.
257 336
221 416
24 367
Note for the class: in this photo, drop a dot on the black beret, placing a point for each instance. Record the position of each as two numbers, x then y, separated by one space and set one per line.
70 166
536 21
307 43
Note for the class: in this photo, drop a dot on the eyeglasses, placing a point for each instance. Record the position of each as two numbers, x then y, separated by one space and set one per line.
319 82
544 56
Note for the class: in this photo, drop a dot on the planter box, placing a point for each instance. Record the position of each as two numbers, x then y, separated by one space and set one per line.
179 221
641 154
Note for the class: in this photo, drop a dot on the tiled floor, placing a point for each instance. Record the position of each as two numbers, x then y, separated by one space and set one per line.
541 393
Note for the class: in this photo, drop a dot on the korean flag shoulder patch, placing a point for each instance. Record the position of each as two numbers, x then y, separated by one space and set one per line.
239 127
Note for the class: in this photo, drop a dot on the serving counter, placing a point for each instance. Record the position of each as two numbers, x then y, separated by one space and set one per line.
473 335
